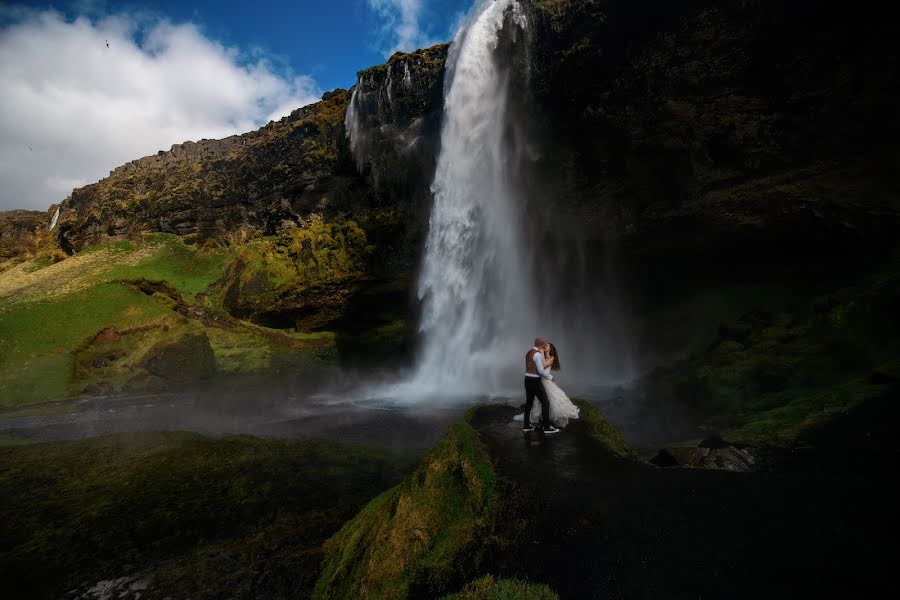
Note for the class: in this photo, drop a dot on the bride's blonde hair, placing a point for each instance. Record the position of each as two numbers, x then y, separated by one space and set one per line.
555 366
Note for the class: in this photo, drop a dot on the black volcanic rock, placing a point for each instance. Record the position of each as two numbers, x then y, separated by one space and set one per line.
716 139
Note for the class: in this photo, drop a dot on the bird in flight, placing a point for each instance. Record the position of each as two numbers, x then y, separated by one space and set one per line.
107 43
29 148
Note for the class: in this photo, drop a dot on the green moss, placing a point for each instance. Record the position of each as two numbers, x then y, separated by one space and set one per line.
188 269
426 533
797 410
8 440
599 428
117 246
488 588
240 352
305 272
76 512
769 375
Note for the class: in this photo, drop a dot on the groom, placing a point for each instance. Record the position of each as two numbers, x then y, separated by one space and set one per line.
534 371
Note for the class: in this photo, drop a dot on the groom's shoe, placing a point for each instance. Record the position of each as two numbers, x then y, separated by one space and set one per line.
528 427
550 429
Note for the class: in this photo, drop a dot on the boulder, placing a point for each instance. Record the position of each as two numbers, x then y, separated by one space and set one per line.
182 360
712 453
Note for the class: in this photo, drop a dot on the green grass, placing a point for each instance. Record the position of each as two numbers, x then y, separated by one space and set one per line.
9 440
187 269
427 533
767 376
73 513
488 588
798 410
38 339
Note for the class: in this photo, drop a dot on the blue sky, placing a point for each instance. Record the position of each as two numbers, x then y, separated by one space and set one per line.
72 109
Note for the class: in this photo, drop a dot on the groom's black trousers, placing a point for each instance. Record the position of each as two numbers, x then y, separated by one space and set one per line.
535 387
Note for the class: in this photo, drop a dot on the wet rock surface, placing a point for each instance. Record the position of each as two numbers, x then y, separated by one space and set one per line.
712 453
603 527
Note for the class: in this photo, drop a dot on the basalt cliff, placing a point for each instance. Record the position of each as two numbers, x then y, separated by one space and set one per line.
690 148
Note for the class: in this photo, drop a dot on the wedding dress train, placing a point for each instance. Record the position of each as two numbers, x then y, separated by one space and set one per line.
561 407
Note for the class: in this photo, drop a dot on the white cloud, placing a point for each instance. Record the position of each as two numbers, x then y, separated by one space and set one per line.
401 28
72 109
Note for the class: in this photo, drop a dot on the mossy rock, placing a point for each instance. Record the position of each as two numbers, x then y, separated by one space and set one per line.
603 431
183 360
489 588
424 535
300 279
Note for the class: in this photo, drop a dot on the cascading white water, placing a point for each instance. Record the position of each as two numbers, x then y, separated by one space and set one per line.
477 294
55 218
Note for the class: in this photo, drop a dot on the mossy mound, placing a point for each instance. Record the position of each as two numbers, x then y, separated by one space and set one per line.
488 588
769 376
603 431
77 512
300 279
425 535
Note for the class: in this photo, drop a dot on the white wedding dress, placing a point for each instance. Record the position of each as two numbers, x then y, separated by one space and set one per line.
561 408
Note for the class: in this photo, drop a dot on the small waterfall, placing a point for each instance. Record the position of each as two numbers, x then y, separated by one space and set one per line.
55 218
390 84
477 292
407 76
354 128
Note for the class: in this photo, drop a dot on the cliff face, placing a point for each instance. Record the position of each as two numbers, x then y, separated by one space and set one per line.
720 139
17 232
223 189
23 233
684 143
266 181
275 195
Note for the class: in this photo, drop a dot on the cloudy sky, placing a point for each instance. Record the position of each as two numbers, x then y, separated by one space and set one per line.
72 108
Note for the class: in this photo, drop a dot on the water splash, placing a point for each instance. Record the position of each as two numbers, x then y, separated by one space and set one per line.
477 293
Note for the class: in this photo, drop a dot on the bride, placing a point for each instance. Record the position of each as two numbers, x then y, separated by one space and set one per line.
561 407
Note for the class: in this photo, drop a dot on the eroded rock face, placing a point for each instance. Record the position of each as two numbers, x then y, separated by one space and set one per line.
252 184
23 232
710 139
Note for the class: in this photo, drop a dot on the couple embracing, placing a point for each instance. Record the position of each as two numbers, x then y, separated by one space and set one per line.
555 407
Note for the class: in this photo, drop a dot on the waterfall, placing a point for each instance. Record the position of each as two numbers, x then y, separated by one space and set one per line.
407 76
478 299
55 218
353 127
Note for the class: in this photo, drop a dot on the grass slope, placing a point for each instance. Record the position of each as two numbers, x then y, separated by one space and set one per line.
72 513
53 318
422 537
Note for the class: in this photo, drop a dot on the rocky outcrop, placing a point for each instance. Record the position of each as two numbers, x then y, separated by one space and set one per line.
186 359
704 139
713 453
267 181
227 190
301 279
22 233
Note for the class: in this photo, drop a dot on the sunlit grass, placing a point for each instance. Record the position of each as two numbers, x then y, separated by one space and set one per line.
38 339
